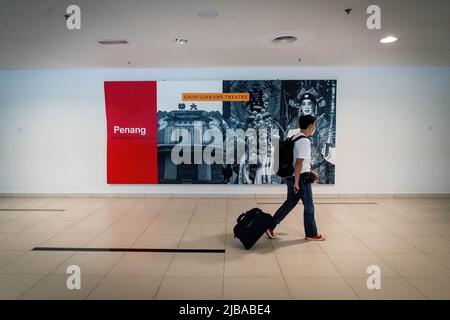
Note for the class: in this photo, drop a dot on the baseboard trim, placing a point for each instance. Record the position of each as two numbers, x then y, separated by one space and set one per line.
228 196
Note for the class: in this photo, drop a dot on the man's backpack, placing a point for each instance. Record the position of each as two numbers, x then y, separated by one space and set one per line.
286 157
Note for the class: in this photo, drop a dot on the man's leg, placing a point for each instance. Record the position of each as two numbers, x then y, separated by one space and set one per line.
291 201
308 212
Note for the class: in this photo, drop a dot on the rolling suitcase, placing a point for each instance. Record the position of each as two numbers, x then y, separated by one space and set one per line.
251 225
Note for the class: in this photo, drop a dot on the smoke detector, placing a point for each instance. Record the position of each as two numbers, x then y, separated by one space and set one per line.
208 13
180 41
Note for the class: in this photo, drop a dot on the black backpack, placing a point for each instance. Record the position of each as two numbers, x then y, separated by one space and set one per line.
286 157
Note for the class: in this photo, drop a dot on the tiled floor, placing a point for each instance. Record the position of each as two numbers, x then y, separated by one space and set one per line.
409 239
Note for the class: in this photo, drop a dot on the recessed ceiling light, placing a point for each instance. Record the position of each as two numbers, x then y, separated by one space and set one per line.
388 39
284 39
208 13
113 41
181 41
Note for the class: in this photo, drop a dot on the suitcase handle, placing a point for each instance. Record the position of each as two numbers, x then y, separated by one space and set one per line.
241 217
251 211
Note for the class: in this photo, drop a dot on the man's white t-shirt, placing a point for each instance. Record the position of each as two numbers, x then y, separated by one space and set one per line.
302 149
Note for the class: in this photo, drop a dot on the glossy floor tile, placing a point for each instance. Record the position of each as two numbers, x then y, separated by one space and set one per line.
320 289
255 288
192 288
407 242
126 288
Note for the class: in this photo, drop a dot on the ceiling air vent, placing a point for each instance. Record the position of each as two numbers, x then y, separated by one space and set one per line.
113 41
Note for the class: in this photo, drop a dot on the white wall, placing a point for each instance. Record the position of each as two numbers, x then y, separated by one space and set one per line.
393 132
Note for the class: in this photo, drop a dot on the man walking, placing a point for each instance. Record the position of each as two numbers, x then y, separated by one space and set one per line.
299 184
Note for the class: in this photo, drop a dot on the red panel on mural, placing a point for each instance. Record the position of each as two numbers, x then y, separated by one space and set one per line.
132 133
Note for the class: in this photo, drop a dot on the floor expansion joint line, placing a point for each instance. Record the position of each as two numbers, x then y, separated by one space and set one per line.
32 209
324 203
177 250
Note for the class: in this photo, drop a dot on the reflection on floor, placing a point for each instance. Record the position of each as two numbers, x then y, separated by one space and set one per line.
409 239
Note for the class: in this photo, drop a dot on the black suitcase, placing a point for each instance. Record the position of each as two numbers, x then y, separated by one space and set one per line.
251 225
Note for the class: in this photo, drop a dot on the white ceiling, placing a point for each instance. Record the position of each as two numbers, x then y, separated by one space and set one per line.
33 33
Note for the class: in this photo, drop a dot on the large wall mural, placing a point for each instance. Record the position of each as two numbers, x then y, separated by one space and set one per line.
227 132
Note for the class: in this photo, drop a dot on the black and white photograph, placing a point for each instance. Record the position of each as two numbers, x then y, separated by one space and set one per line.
261 114
316 98
275 107
191 124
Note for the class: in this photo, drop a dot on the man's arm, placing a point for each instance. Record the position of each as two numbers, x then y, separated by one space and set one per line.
297 171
